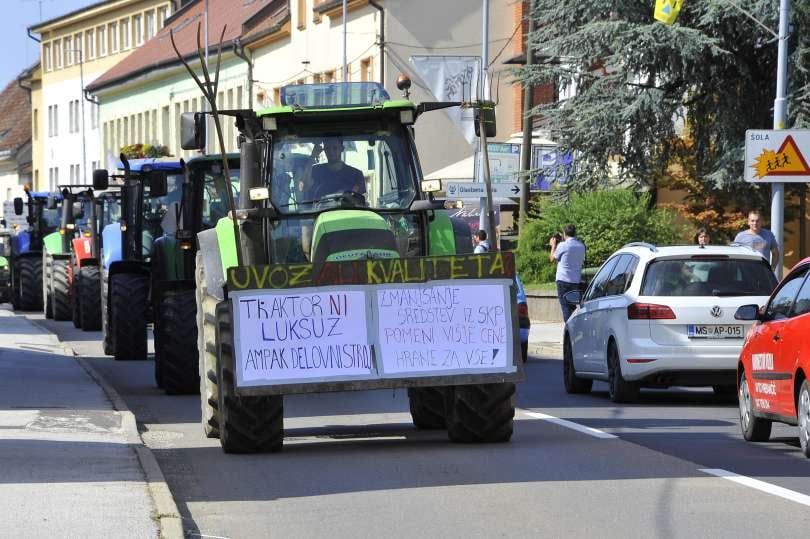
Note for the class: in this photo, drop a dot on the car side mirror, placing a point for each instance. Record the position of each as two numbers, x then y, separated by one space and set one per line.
18 206
574 297
192 130
157 183
101 179
748 312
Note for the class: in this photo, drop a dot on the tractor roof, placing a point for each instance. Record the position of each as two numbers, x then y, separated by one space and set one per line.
211 157
153 163
355 97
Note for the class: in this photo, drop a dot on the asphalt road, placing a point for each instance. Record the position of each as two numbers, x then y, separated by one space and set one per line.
353 465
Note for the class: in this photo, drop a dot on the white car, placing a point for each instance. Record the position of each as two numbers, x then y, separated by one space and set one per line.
663 316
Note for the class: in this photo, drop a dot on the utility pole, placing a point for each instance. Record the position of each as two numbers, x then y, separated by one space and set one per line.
484 202
528 121
345 75
780 122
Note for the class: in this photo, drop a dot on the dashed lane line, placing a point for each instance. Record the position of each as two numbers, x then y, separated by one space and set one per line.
759 485
596 433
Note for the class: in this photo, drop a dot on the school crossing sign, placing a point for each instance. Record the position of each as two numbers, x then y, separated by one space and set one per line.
776 156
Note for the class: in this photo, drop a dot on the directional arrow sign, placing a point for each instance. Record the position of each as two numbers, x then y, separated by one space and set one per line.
477 190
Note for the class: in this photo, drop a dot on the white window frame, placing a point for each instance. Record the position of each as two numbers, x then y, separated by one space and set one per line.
101 36
57 53
90 44
150 25
46 55
68 45
137 30
112 36
124 31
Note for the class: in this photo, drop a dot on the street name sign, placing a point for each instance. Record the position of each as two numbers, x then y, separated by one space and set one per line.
478 189
777 156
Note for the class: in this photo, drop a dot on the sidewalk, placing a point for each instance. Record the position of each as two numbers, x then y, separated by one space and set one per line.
545 339
70 462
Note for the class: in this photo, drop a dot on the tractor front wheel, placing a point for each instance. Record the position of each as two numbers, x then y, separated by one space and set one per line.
89 290
129 296
481 413
29 273
60 290
175 340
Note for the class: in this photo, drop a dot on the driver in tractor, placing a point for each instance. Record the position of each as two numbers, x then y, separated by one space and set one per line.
334 176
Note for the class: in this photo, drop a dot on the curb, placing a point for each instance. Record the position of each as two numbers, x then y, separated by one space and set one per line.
167 514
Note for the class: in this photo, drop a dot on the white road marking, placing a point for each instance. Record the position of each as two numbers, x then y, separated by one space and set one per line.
596 433
759 485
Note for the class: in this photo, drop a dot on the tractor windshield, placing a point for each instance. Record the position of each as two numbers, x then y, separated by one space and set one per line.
215 196
156 217
374 170
51 218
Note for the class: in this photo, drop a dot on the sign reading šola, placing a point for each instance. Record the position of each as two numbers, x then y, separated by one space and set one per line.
457 320
777 156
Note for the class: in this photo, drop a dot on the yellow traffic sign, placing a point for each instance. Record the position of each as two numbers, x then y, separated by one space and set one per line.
666 11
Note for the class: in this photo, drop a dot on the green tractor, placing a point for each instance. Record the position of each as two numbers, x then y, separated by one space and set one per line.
27 248
75 232
202 203
335 272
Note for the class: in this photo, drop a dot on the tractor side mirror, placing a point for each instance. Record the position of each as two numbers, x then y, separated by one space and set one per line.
192 131
486 114
101 179
51 203
157 183
18 206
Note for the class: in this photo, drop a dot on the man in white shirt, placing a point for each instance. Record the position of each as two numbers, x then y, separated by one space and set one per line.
569 255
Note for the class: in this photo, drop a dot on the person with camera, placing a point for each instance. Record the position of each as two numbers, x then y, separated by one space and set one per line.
568 252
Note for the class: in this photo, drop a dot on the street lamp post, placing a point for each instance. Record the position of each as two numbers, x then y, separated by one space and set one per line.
780 122
81 106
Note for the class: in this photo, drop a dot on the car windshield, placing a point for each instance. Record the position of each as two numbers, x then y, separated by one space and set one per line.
708 277
370 170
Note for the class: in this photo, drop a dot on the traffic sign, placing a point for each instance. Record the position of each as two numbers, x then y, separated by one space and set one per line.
777 156
478 189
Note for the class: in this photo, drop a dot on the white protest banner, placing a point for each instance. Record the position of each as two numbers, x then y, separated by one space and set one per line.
426 329
293 335
452 78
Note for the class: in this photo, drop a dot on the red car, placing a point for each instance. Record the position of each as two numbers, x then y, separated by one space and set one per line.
775 361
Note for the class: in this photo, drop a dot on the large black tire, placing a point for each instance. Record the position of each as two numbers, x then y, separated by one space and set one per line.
803 411
480 413
207 352
619 389
573 383
754 429
427 407
75 299
47 298
60 290
129 295
29 271
89 300
175 342
246 424
106 315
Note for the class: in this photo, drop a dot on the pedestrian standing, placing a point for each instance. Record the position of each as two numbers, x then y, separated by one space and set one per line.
759 239
702 237
481 242
568 254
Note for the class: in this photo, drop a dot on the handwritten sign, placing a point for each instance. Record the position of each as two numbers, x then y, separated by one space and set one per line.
432 329
287 336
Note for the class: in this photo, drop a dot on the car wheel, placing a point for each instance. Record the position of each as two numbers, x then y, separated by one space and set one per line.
619 389
573 383
804 418
754 429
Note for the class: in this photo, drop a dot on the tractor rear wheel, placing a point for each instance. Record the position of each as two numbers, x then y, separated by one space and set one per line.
60 290
75 298
481 413
175 338
129 295
89 300
247 424
45 284
207 352
29 271
427 407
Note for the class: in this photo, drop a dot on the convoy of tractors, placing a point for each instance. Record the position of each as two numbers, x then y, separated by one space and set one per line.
314 260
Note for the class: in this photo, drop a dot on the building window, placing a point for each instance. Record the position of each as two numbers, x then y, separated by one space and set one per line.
302 14
89 45
137 30
35 117
53 120
113 33
366 70
77 48
46 55
57 53
53 178
163 14
150 24
68 51
94 165
125 37
102 41
94 115
73 116
329 76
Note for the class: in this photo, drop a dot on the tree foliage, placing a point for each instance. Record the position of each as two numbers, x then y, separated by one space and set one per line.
605 221
640 82
138 151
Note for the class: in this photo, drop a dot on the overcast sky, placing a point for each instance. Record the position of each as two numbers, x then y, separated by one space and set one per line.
20 51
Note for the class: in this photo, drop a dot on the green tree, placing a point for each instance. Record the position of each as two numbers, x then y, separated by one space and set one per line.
605 221
638 82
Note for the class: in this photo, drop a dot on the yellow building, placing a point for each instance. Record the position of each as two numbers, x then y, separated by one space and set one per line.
75 49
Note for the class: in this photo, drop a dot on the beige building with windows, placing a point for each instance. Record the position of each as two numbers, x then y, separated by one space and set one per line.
75 49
